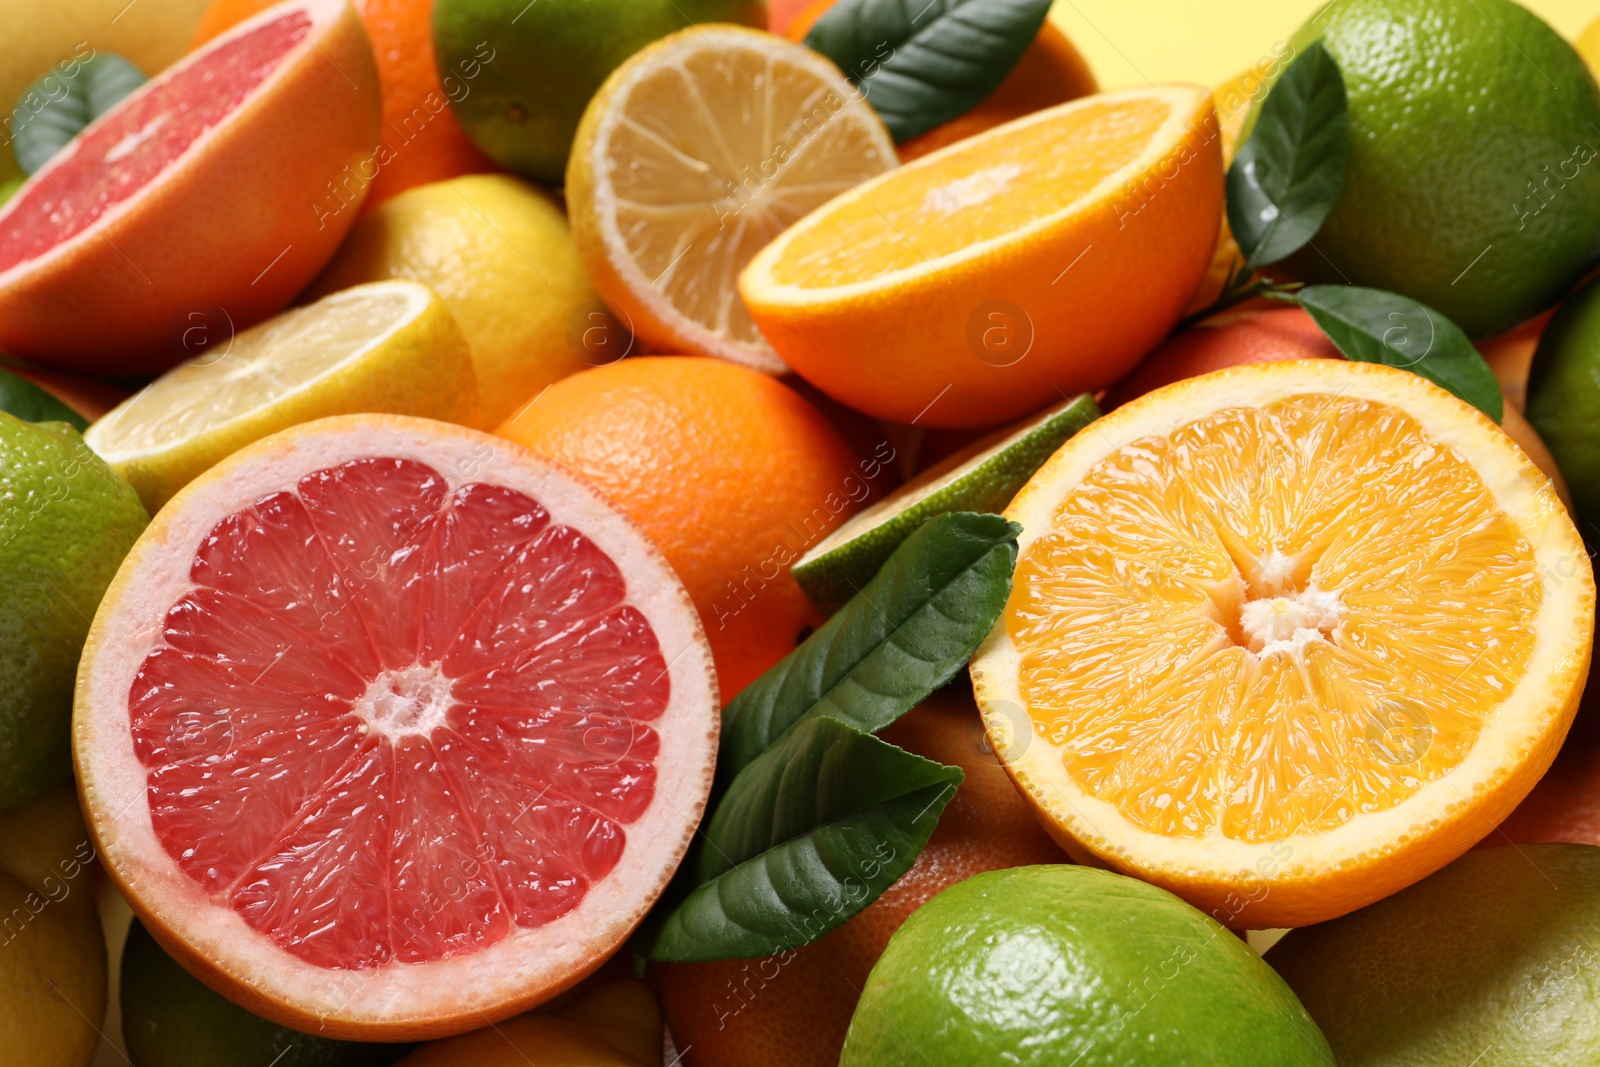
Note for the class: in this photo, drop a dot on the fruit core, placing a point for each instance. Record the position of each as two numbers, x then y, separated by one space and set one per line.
1272 619
122 154
392 721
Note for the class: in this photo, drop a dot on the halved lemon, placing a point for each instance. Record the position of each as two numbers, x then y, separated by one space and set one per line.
694 154
1286 638
389 347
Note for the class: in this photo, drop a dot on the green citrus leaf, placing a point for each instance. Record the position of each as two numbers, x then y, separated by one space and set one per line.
28 402
53 109
1285 178
904 635
806 837
1373 326
923 62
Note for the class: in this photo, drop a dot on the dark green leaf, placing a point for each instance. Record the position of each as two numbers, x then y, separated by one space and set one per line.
28 402
907 633
1285 178
1373 326
58 105
807 836
923 62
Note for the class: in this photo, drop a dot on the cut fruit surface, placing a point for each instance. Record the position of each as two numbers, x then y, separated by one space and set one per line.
1287 637
386 347
1036 260
981 477
388 728
695 153
198 192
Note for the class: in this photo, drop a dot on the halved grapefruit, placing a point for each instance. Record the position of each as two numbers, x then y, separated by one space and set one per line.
389 729
217 189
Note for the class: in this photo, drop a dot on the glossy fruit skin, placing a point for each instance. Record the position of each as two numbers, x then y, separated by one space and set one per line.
66 522
550 59
794 1008
170 1019
1471 135
1494 951
1563 398
729 472
241 225
1249 337
1064 964
52 978
500 253
420 141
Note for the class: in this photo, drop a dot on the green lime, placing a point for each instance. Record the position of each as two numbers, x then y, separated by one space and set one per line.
982 477
66 521
9 187
523 72
170 1019
1472 182
1564 399
1493 960
1057 965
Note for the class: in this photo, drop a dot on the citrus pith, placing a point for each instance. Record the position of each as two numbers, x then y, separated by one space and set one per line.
113 245
1287 637
669 202
389 728
1031 262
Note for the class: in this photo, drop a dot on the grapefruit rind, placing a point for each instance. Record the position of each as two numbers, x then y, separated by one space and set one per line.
239 221
1311 877
397 1001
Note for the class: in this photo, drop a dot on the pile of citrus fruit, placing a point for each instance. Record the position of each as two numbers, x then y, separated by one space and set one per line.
618 534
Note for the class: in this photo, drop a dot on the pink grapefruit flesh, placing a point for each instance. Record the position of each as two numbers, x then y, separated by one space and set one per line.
392 726
204 192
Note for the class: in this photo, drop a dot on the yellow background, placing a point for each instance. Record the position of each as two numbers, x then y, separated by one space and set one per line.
1131 42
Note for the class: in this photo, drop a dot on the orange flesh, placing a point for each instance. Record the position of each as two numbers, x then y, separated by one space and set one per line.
991 189
1389 600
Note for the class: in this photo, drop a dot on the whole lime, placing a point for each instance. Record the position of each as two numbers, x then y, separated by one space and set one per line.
170 1019
66 521
1071 965
1493 960
1472 181
519 74
1563 399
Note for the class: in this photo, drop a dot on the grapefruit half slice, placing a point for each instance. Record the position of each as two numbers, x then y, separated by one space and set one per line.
389 729
218 189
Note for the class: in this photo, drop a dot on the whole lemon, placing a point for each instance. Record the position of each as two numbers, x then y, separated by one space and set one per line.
501 255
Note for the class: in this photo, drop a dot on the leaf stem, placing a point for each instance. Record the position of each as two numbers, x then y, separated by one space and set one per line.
1243 285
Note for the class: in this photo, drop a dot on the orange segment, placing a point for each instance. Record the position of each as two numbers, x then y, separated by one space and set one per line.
1044 255
1315 606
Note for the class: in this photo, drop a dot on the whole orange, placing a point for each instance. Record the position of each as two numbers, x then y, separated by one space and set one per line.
1050 72
1248 337
421 141
732 474
1565 805
793 1008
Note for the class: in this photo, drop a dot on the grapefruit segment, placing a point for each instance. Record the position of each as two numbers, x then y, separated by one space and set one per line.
203 191
390 700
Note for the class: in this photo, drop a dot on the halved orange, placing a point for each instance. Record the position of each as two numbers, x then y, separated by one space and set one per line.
1287 637
1034 261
